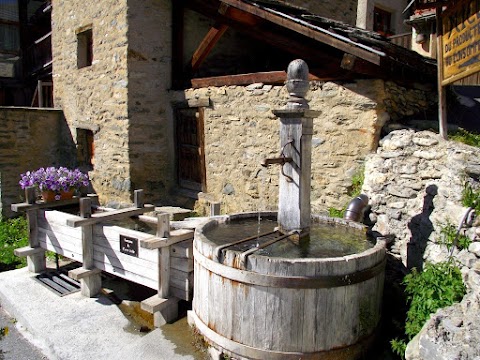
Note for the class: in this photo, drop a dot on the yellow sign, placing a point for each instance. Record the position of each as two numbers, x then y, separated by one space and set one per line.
461 41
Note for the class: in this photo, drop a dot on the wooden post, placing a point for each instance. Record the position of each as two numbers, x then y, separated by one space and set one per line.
36 261
214 208
30 195
138 198
163 231
164 310
442 98
91 283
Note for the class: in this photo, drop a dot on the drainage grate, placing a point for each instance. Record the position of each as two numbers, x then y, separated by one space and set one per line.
58 282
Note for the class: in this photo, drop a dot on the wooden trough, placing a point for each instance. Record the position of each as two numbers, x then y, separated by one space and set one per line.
163 262
281 308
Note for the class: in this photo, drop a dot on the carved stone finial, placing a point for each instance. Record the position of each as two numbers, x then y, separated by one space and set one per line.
297 84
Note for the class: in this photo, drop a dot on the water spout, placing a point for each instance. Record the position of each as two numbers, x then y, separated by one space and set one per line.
279 160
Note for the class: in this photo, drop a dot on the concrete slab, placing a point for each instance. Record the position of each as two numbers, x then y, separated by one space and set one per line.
74 327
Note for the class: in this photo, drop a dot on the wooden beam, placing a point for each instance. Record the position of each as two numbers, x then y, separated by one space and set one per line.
270 77
317 35
176 236
207 44
27 251
81 273
442 95
107 216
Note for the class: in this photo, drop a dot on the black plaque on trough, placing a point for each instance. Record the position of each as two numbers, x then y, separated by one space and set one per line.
129 245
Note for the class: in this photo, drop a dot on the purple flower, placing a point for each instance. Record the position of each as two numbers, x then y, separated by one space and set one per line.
55 179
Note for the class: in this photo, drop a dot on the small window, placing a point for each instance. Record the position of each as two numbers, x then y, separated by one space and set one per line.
382 21
85 148
84 48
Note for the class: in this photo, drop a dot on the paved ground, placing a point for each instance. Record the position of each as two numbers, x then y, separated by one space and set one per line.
73 327
14 345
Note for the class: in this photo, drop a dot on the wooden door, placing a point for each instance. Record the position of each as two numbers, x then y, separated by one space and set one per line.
190 149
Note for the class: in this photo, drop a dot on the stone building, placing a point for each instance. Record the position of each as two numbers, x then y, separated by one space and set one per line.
175 97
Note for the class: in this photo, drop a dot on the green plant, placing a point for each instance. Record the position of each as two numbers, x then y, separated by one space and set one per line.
463 136
357 182
470 197
13 234
437 286
448 235
353 191
399 347
336 213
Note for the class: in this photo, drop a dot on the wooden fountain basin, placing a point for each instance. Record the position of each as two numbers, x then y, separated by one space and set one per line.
279 308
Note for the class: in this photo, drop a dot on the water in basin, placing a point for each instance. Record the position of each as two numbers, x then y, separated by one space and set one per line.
326 239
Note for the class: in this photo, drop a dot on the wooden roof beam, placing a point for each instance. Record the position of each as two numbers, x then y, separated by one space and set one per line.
207 44
269 77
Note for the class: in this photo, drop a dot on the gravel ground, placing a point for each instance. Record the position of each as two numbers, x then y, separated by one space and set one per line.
14 346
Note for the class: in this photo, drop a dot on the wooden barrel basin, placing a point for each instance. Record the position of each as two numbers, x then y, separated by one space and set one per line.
266 307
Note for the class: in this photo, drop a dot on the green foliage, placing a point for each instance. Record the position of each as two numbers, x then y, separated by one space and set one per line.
399 347
357 183
437 286
463 136
3 332
449 233
336 213
470 197
354 190
13 234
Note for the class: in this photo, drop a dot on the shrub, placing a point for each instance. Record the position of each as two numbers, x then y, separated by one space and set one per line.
437 286
449 234
463 136
357 182
13 234
470 197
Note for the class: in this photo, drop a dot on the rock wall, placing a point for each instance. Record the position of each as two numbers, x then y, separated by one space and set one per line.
96 97
150 119
30 138
122 96
415 182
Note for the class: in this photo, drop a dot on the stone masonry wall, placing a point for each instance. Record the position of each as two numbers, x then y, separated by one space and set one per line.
95 97
29 139
241 130
415 182
150 139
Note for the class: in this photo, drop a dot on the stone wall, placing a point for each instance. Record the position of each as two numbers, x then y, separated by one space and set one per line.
150 131
401 102
415 182
96 97
241 130
29 139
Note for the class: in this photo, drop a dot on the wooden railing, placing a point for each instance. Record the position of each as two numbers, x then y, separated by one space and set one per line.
403 40
39 54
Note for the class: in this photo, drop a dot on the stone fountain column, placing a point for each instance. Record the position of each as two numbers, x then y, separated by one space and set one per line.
296 130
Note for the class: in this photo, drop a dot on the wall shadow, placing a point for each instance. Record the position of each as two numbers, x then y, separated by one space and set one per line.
421 228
